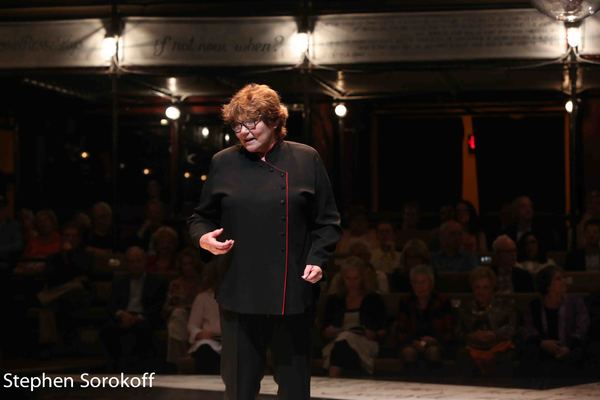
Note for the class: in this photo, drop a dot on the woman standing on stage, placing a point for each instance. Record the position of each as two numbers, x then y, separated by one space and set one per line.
267 211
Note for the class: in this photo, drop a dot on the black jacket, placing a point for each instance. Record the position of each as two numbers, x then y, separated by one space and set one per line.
281 214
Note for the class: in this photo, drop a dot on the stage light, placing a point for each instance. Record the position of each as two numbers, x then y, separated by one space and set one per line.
85 155
574 36
187 175
172 112
299 42
205 132
227 137
164 121
122 166
341 110
203 178
109 47
146 171
569 106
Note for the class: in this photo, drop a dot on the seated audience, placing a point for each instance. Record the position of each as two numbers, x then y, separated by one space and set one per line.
66 291
424 323
592 211
452 257
556 326
487 327
474 239
100 239
180 295
135 309
510 276
354 322
411 226
525 222
414 253
361 251
586 258
204 326
11 236
531 254
384 257
154 219
40 247
165 242
358 230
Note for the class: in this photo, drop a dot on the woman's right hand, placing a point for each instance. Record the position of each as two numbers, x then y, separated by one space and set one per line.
209 242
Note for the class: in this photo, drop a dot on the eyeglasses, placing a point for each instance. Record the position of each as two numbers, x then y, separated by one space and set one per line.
237 128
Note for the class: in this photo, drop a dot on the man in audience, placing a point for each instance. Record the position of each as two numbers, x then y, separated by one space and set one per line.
510 278
592 211
136 303
588 257
525 222
451 257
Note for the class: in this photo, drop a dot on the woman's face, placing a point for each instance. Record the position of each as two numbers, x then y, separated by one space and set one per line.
558 286
260 139
352 279
422 285
483 291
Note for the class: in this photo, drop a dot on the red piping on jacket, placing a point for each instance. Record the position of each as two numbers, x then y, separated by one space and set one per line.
287 220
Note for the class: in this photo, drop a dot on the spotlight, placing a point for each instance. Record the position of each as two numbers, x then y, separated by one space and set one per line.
569 106
172 112
85 155
203 178
299 42
341 110
227 137
164 121
146 171
205 132
109 47
187 175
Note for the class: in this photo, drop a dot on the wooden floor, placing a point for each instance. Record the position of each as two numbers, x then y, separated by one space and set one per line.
194 387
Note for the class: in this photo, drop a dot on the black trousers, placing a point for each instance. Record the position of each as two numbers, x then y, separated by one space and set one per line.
246 338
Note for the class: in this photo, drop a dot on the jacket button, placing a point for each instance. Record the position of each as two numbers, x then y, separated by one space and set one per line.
282 233
282 201
282 249
283 217
282 174
270 169
282 187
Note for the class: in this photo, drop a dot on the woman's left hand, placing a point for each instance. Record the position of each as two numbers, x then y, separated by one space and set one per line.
312 273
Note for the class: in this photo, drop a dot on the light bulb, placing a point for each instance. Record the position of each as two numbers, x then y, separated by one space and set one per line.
341 110
172 112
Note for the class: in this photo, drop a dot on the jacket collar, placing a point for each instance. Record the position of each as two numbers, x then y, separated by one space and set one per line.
272 155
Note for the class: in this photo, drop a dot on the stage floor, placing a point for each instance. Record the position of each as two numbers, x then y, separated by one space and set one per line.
355 389
196 387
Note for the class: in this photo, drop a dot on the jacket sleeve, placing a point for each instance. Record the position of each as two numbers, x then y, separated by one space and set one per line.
207 214
326 229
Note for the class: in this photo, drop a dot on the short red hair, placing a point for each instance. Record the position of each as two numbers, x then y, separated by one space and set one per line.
255 100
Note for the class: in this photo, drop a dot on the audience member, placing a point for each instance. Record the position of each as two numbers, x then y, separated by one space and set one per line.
100 239
414 253
354 321
424 322
487 326
474 239
182 291
385 257
510 276
451 257
531 254
586 258
135 309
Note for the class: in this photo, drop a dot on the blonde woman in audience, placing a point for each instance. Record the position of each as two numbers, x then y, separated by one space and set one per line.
354 321
181 294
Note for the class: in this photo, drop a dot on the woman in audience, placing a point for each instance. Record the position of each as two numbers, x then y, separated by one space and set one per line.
474 239
556 325
531 254
181 294
487 326
358 230
354 321
424 322
45 244
165 243
414 253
